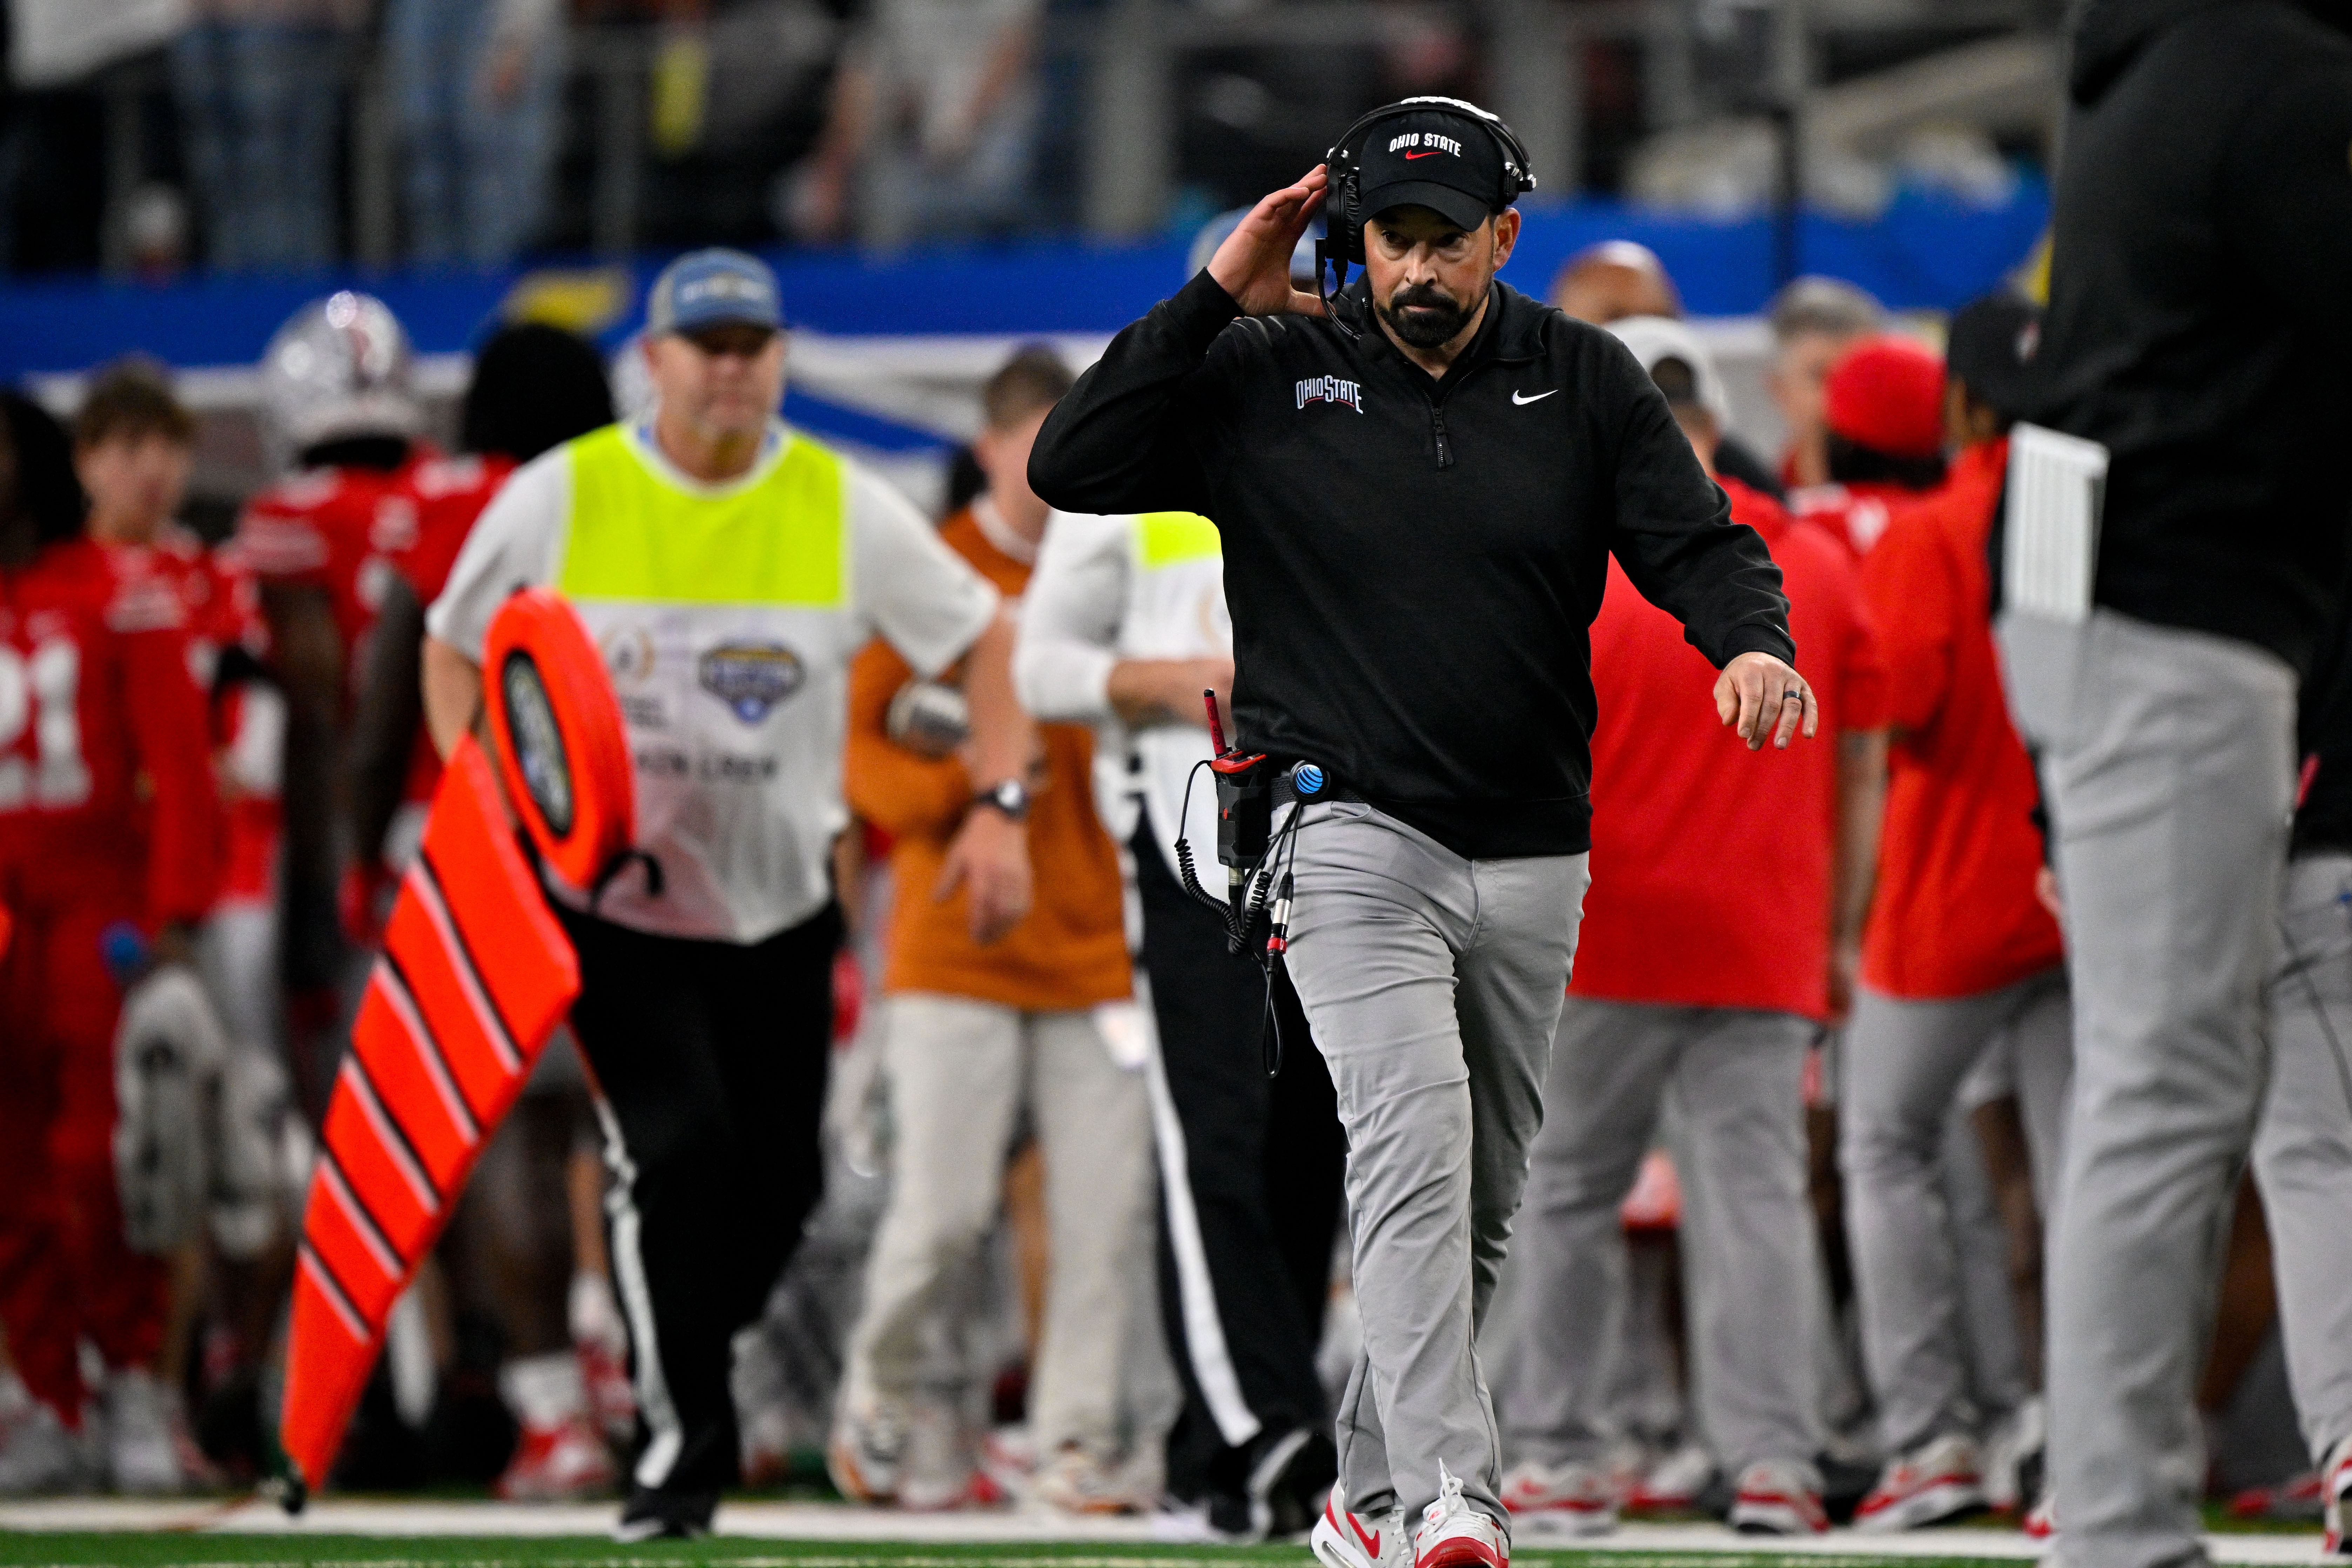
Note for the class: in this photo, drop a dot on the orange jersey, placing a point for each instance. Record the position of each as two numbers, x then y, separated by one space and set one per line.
1070 952
106 779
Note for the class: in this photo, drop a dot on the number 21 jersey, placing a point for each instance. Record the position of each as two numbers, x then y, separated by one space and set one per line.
106 785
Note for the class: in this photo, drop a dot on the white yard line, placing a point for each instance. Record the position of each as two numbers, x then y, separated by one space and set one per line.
1651 1545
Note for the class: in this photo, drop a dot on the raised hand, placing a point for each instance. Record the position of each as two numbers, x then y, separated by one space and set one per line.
1254 263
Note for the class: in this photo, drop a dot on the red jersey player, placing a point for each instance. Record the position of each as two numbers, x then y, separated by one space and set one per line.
321 545
1883 402
534 386
107 820
132 443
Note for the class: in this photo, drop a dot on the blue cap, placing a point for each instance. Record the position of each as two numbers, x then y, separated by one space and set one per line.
713 288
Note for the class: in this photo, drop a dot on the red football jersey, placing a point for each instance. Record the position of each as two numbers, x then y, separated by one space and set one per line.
1855 514
1955 912
106 778
224 609
448 495
339 529
1676 795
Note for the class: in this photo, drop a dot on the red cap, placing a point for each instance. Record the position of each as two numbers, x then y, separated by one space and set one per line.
1887 394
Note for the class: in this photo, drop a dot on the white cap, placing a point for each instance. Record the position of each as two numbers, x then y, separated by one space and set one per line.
1654 338
340 367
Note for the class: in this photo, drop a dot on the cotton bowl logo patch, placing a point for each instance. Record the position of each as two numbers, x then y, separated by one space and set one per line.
750 677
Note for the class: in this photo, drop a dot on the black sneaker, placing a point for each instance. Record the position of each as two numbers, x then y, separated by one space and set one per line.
1290 1475
666 1516
1229 1517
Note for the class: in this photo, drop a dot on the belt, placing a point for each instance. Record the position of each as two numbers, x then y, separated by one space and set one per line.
1310 783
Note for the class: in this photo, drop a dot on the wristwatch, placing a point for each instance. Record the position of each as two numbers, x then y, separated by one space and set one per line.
1011 797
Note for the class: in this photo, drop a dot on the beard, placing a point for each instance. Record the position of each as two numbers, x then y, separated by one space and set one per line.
1424 317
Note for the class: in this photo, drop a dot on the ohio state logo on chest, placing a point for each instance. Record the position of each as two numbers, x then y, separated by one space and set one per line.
1330 389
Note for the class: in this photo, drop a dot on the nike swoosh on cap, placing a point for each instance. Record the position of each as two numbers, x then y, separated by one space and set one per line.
1523 399
1409 157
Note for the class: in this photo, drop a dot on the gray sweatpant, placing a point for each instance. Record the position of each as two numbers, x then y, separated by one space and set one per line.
1750 1262
962 1075
1903 1062
2169 760
2303 1150
1433 985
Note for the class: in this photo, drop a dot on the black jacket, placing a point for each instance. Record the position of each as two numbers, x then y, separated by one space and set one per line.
1413 565
2201 311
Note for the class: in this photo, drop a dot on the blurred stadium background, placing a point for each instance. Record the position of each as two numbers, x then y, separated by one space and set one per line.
937 178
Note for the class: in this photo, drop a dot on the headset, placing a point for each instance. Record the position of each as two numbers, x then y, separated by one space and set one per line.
1343 215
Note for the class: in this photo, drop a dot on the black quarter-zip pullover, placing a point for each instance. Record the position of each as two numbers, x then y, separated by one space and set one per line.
1414 563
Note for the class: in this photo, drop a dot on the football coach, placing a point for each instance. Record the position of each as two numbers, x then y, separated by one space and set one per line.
1419 479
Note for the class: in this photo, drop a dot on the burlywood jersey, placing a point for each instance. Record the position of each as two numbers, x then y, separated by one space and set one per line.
727 615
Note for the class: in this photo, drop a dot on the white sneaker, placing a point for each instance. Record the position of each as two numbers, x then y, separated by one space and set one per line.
1777 1498
867 1450
2335 1482
1453 1535
1673 1484
561 1463
1075 1482
2011 1447
142 1453
1939 1479
41 1457
1344 1540
1565 1499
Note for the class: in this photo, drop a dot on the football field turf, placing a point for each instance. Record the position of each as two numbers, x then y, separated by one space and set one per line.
358 1532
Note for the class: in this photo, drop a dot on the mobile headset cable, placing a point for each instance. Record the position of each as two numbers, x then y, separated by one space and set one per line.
1242 911
1343 219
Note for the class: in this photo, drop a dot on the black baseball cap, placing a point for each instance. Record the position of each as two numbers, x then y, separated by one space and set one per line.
1436 158
1990 345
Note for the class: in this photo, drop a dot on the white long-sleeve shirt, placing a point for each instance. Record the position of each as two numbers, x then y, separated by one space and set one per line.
1113 588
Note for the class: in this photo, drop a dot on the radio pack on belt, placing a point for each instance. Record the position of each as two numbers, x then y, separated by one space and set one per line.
1255 908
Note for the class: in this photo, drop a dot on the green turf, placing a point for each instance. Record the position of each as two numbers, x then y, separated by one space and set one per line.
79 1550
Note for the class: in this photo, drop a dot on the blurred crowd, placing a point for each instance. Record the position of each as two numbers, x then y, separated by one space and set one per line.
269 135
821 119
1781 1249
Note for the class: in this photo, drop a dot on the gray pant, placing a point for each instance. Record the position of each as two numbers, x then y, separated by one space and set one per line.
1750 1264
2168 759
961 1074
2303 1150
1433 985
1903 1064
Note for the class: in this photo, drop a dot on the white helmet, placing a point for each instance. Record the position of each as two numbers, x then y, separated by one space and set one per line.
339 367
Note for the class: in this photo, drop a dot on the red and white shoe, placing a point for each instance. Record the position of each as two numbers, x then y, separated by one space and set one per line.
1673 1484
1940 1480
2335 1480
562 1463
2042 1518
1453 1535
1564 1500
1344 1540
1777 1498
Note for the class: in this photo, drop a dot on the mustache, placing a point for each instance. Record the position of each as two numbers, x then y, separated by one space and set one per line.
1422 296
